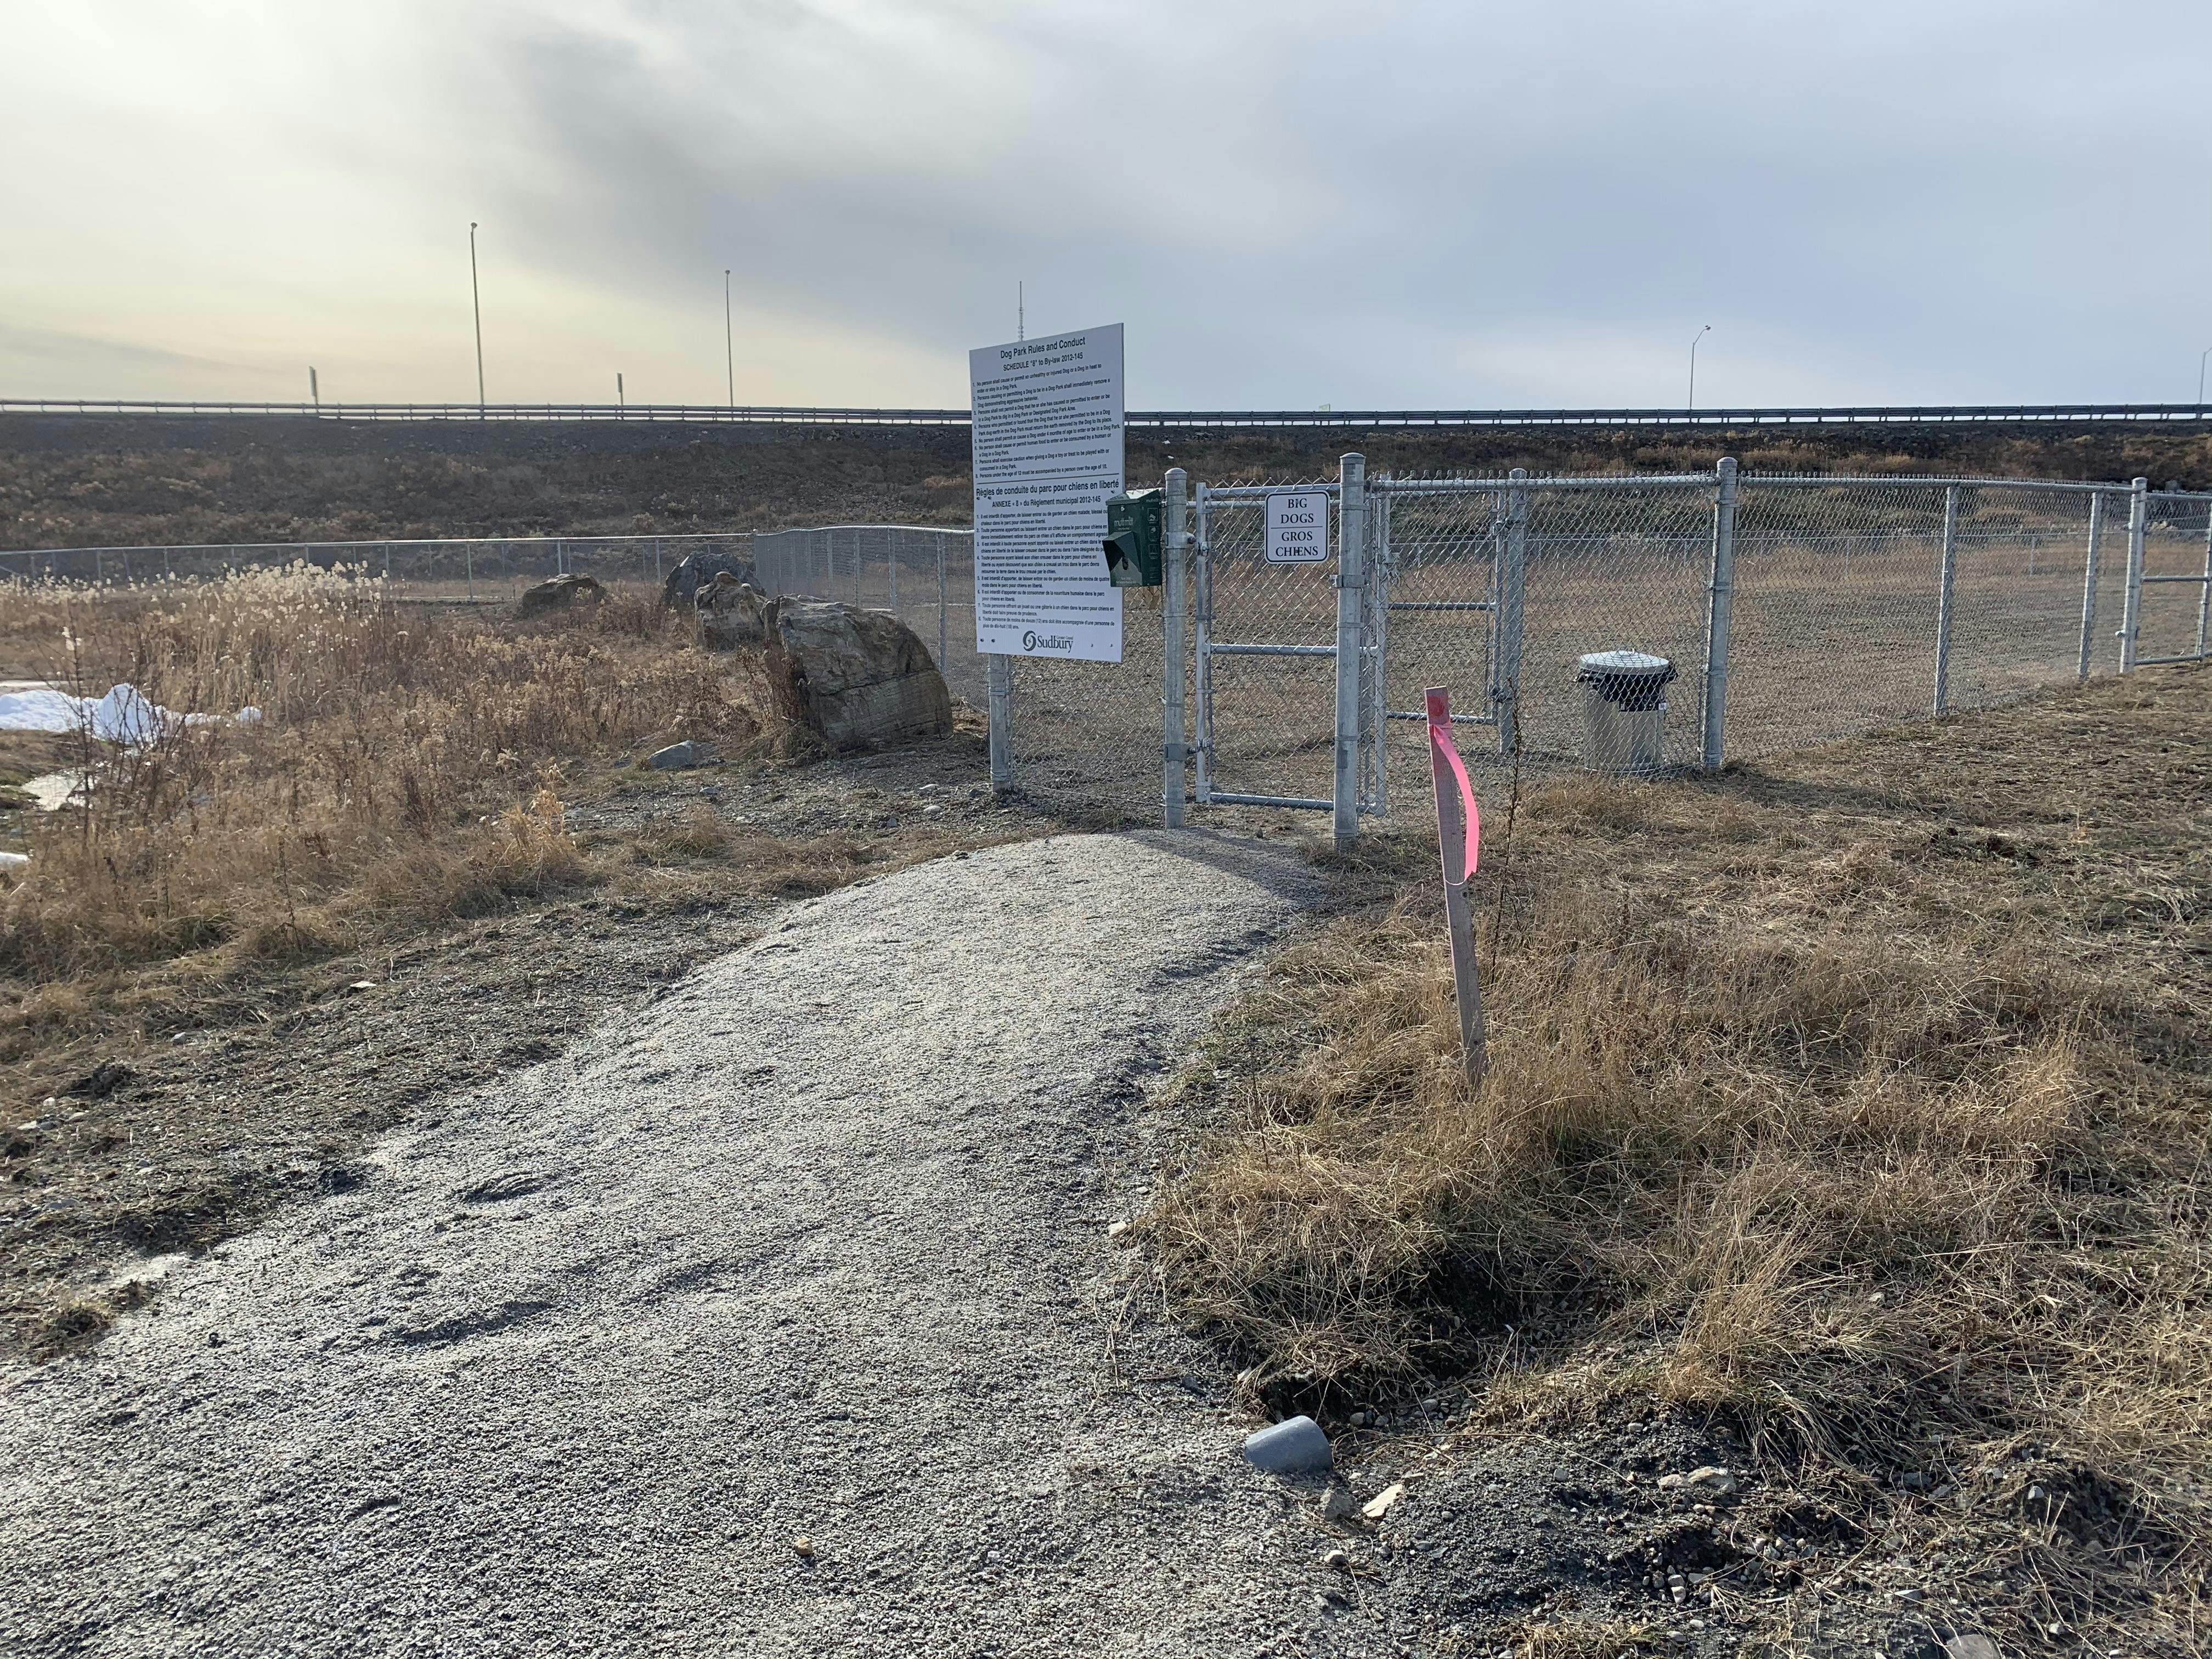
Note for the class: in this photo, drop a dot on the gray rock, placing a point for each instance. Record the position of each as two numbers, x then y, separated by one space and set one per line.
695 570
1295 1446
561 594
854 678
1338 1503
1708 1478
677 756
1971 1644
730 615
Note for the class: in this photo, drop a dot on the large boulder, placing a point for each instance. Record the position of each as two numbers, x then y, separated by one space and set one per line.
731 615
854 678
694 570
557 594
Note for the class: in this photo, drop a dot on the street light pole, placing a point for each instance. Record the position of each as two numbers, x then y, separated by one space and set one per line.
729 340
1694 338
475 304
2200 356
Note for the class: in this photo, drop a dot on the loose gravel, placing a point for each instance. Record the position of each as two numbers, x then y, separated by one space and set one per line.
780 1316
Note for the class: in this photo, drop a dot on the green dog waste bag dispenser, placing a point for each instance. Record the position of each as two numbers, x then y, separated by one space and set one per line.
1133 538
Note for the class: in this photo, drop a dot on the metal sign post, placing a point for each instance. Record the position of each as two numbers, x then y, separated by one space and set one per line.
1459 841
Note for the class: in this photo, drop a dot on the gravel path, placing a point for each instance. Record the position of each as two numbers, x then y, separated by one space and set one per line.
813 1247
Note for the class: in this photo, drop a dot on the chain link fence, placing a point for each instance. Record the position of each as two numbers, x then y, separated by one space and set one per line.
1784 611
925 577
479 568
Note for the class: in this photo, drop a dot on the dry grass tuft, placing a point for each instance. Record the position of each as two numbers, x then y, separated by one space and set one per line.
1809 1117
405 768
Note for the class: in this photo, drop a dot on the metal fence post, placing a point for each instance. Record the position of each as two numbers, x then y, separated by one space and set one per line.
469 569
1173 750
1202 641
940 601
2090 562
1720 612
1947 584
999 670
2131 612
892 558
1512 590
1351 605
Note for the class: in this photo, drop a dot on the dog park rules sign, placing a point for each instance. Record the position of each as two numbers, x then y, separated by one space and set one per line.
1047 430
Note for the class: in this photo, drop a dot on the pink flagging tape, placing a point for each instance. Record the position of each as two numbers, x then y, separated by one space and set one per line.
1440 739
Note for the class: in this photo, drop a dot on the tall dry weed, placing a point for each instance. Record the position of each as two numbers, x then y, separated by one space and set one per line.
405 765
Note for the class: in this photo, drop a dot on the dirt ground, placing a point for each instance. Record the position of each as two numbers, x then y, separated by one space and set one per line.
2083 812
2073 827
169 1134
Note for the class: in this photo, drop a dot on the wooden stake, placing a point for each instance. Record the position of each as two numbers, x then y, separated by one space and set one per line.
1459 841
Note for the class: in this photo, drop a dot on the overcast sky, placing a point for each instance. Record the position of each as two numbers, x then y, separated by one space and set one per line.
1289 203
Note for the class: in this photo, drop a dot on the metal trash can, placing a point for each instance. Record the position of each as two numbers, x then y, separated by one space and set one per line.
1623 712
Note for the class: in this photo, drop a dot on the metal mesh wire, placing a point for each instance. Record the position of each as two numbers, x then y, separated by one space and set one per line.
925 576
1494 587
2175 605
1266 674
1086 735
1840 618
2018 560
1613 564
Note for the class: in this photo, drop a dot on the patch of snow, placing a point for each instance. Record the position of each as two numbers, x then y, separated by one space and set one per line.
55 790
13 861
123 715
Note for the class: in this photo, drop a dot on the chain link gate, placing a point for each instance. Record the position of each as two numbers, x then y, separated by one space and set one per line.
1263 638
1449 581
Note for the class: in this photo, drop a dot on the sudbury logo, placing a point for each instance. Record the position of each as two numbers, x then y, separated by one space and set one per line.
1033 640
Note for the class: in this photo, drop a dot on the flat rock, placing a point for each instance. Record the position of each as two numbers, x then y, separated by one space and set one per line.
557 594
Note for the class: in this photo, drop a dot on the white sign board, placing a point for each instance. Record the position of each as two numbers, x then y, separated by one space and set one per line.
1297 527
1048 453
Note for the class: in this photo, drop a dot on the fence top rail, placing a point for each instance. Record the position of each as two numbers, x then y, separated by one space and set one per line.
378 542
1248 492
1926 480
1891 414
1414 486
910 529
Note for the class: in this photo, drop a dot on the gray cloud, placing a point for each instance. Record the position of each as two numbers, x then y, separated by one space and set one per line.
1290 204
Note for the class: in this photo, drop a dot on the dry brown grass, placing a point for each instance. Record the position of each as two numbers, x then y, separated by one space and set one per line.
1860 1121
407 767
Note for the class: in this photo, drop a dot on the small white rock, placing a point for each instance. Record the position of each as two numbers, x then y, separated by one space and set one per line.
1379 1505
